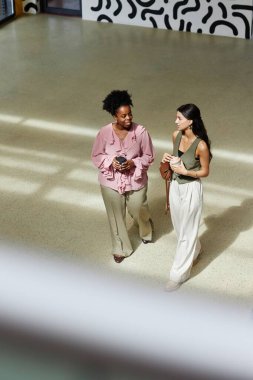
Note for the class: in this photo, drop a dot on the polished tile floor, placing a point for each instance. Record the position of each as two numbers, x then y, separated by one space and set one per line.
55 72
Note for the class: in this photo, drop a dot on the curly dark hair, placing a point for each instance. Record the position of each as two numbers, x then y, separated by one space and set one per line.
116 99
192 112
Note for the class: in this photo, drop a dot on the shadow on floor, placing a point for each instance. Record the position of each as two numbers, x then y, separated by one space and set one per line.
223 230
161 220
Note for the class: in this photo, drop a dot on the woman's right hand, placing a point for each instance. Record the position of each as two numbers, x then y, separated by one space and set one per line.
116 165
166 157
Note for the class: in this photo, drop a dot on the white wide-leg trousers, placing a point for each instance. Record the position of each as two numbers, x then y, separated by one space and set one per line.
136 204
185 208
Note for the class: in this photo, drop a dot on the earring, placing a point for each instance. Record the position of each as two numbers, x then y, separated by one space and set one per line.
190 127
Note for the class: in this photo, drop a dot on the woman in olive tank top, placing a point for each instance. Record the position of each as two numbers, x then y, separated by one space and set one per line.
192 145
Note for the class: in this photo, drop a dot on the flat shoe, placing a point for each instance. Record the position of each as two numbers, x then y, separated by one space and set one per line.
118 259
171 286
146 241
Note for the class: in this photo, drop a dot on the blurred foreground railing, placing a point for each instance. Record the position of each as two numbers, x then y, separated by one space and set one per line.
61 319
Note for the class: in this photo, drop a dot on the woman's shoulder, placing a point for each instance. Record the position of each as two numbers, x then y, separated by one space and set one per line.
202 145
105 133
202 148
138 129
106 129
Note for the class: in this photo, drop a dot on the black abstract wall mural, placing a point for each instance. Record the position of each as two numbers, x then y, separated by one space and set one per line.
228 17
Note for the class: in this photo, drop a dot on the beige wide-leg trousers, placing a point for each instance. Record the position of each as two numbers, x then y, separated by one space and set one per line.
185 208
136 204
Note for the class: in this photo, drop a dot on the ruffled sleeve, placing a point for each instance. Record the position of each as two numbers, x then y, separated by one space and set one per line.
100 158
146 155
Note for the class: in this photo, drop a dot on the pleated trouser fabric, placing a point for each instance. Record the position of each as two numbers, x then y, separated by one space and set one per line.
116 205
185 207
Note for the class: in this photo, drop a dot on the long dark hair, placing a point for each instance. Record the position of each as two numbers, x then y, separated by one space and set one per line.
192 112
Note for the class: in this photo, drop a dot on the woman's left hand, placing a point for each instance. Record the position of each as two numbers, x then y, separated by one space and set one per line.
129 164
179 169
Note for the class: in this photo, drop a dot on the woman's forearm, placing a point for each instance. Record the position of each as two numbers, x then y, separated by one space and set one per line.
197 173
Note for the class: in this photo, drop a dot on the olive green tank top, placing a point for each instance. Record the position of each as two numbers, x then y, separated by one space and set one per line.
189 159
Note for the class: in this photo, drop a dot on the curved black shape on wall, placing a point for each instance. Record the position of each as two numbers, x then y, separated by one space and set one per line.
153 22
146 11
29 6
104 18
98 7
223 9
243 7
167 22
192 9
177 6
223 22
181 26
246 22
208 15
118 10
108 5
188 26
134 9
145 3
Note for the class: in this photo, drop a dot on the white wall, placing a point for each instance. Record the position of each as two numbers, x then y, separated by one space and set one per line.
226 18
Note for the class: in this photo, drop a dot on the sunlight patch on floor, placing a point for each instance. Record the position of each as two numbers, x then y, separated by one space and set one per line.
166 146
10 118
73 197
221 202
83 175
59 127
13 184
233 156
36 153
28 165
227 189
92 132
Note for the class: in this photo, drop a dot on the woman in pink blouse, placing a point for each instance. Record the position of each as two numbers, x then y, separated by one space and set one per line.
123 152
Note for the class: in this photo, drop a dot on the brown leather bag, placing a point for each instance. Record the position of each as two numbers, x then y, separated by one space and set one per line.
165 170
166 174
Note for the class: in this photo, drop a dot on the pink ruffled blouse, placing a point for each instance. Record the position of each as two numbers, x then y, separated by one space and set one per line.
136 146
